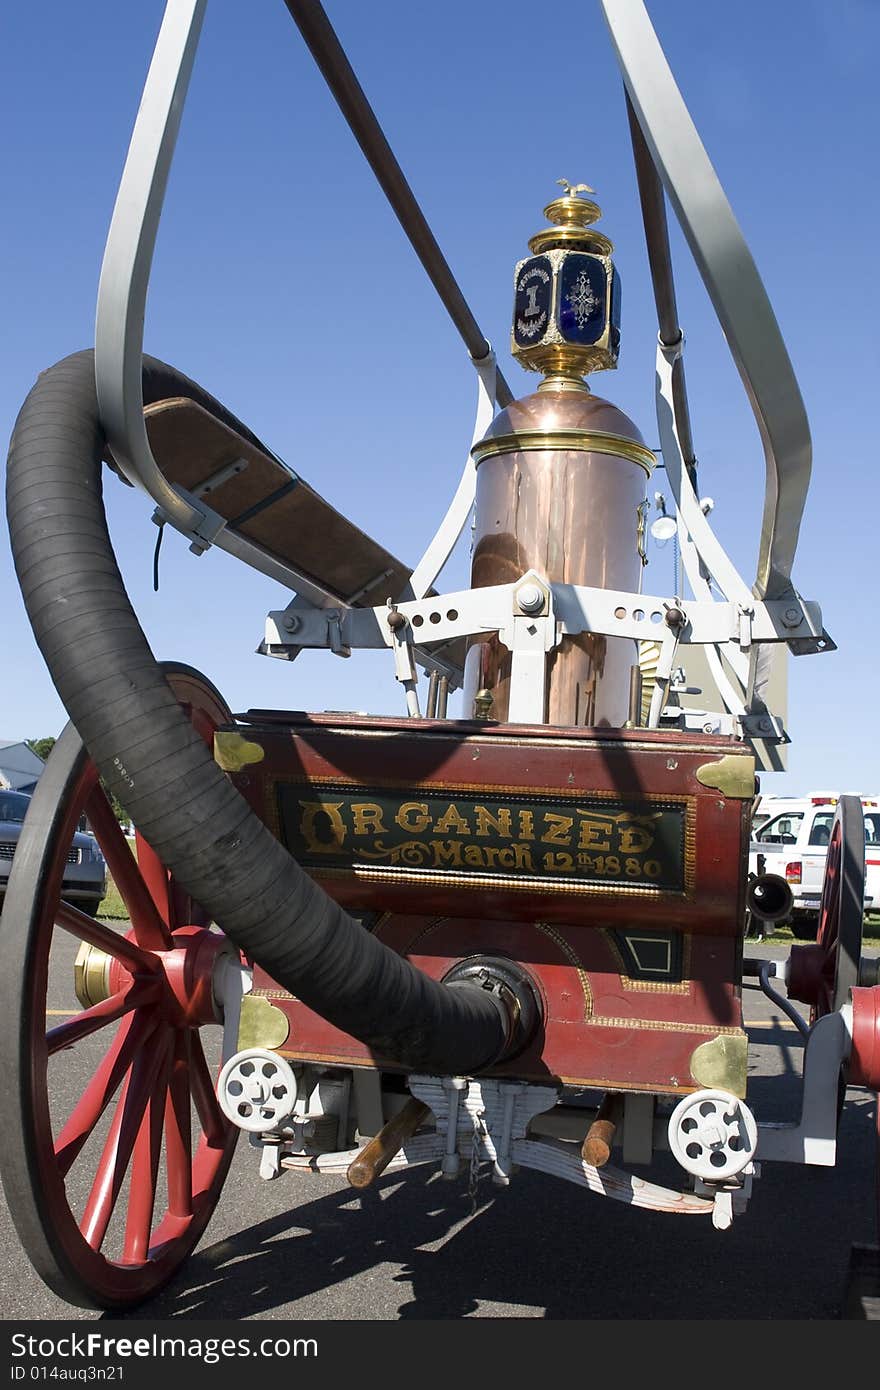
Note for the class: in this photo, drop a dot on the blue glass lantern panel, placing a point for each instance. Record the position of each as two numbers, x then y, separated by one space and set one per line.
531 308
614 336
582 291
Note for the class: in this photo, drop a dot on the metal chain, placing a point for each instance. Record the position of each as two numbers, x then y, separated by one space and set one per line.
474 1173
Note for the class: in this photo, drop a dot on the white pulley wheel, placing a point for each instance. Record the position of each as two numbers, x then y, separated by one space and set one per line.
713 1135
257 1090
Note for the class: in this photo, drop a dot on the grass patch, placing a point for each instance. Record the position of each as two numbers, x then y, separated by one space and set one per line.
112 906
871 931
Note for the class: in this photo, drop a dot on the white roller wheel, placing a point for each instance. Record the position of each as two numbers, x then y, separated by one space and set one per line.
713 1135
257 1090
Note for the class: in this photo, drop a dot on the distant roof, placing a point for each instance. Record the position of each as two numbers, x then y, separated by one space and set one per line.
19 765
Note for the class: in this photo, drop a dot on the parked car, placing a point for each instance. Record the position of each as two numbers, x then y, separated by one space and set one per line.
85 876
793 842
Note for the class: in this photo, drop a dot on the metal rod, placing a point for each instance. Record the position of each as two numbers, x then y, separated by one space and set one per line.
412 700
431 710
635 696
316 29
660 262
442 696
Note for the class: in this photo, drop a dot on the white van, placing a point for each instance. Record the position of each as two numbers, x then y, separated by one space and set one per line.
792 841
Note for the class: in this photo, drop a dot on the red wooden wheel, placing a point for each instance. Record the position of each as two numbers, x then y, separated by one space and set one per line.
822 974
841 910
113 1147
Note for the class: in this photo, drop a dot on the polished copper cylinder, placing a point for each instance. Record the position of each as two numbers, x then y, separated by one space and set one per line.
561 479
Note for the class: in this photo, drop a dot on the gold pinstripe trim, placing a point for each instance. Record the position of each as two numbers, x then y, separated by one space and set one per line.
564 793
584 441
532 884
682 986
571 955
614 1083
657 1025
420 935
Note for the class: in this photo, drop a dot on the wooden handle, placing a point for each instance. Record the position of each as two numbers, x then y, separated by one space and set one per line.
596 1148
375 1156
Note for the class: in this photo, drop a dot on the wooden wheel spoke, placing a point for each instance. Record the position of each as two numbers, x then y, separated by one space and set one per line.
149 918
70 919
145 1171
135 1031
130 1112
138 994
178 1132
213 1121
156 879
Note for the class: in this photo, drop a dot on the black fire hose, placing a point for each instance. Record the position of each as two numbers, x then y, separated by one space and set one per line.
163 773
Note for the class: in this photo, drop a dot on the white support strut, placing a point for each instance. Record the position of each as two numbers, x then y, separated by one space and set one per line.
732 281
440 547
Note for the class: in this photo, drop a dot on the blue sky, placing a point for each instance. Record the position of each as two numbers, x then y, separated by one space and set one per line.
283 283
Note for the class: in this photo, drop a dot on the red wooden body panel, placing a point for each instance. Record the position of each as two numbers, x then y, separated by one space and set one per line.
609 1020
601 1027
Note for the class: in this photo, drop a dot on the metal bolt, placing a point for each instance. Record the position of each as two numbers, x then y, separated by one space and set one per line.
530 598
791 617
291 622
396 620
675 617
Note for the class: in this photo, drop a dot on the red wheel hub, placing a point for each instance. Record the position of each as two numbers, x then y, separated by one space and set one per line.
810 970
864 1062
186 974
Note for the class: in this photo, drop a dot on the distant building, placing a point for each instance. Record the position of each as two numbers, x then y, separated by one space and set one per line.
20 767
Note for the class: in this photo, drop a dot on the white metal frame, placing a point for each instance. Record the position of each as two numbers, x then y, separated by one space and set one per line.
732 628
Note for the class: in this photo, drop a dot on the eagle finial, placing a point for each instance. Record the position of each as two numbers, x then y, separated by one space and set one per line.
572 189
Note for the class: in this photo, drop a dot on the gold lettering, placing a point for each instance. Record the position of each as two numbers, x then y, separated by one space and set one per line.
635 834
496 857
522 858
446 853
595 831
473 855
367 818
558 831
309 826
451 818
413 817
486 821
526 825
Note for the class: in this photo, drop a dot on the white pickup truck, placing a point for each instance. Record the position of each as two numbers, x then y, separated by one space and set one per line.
792 841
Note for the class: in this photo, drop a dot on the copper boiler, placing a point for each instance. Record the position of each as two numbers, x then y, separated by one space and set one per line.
561 485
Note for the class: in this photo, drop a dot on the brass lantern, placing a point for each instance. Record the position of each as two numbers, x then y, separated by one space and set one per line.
566 316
